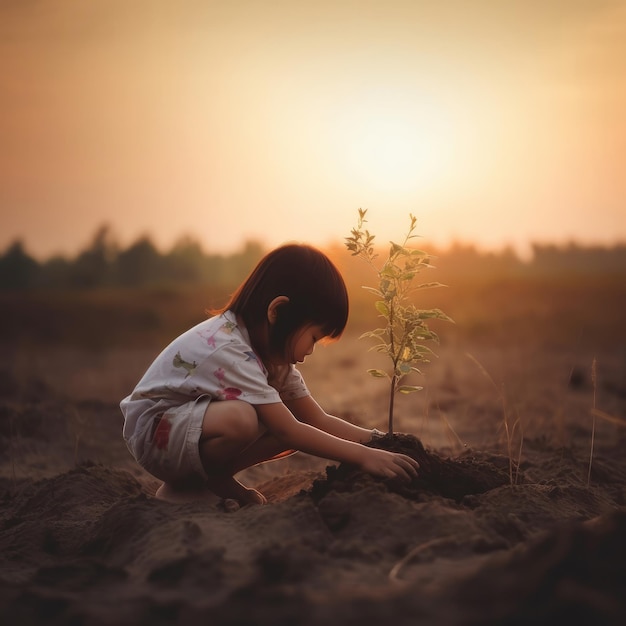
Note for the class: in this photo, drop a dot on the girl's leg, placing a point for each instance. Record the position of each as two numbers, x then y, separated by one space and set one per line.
232 440
227 428
265 448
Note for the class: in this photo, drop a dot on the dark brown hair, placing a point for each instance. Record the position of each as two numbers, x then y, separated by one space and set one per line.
315 288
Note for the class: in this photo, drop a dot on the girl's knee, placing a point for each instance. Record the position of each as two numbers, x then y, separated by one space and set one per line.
243 420
233 419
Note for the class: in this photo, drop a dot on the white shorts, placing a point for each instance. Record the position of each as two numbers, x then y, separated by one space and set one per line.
171 451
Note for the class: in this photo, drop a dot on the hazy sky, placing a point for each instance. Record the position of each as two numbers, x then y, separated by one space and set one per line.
494 121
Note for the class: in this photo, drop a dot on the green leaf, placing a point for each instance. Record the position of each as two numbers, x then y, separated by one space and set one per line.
381 347
378 373
436 314
382 308
420 352
389 271
372 290
423 334
395 249
430 285
379 333
409 388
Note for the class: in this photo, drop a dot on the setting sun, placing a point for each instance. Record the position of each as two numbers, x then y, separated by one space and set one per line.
394 142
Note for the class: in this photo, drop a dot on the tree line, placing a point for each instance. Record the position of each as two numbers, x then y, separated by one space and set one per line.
104 263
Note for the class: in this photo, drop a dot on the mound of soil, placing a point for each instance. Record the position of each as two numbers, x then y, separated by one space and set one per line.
446 477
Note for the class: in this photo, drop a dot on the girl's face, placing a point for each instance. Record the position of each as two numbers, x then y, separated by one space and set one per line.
302 343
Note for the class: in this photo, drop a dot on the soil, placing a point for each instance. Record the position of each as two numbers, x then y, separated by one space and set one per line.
480 537
449 478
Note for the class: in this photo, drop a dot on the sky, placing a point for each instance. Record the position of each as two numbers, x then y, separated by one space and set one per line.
495 122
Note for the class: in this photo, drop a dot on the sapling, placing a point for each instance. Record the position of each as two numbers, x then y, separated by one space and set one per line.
406 327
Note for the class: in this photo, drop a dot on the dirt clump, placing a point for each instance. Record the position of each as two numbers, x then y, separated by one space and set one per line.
452 478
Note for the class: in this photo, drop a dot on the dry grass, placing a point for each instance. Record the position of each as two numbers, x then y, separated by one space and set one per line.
510 431
594 382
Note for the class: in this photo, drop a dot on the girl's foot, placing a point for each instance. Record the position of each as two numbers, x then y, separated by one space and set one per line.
255 497
173 494
229 488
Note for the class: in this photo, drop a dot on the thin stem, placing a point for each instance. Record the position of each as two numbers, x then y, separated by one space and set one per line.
394 378
392 395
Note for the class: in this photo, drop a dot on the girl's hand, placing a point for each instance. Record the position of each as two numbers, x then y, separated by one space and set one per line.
389 464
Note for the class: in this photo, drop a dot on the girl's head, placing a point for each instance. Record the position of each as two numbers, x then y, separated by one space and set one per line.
292 287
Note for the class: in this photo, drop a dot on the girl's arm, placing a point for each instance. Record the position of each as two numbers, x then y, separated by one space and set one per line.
297 435
307 410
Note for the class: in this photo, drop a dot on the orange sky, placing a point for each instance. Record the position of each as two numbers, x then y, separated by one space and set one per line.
494 121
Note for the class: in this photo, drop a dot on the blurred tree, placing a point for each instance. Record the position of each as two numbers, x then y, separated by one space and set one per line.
18 270
239 265
186 262
466 260
56 272
575 258
94 266
139 265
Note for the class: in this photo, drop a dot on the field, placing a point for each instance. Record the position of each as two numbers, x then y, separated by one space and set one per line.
519 514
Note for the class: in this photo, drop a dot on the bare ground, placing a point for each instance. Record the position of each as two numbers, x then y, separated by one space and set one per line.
505 525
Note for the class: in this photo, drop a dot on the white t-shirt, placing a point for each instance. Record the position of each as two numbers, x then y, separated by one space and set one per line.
213 359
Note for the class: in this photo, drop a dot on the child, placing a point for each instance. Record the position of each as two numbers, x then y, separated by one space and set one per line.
226 394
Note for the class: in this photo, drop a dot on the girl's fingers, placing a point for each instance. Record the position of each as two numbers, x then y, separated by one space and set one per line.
408 466
412 462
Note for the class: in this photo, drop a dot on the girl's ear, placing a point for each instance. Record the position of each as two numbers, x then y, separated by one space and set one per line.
272 309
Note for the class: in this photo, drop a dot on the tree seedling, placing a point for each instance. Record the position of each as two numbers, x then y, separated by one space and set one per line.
406 327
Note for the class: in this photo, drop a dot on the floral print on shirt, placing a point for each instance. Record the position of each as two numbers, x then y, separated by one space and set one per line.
161 433
178 361
226 393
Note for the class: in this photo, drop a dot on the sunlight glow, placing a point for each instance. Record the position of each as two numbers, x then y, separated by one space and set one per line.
499 123
396 143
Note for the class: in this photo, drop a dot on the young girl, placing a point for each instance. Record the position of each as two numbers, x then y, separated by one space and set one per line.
226 394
